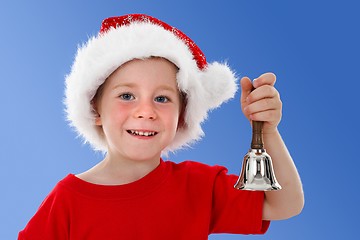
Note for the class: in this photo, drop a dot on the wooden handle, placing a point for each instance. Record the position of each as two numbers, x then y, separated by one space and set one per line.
257 137
257 140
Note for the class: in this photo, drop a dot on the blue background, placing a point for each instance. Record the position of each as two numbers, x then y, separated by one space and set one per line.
312 46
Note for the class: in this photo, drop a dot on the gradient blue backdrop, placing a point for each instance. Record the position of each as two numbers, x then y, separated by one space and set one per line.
312 46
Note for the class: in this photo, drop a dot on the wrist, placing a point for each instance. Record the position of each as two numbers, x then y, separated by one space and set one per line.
270 131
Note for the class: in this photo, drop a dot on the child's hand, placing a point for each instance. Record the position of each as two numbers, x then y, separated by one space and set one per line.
263 103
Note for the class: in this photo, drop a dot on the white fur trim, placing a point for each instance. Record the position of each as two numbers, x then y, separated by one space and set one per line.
104 53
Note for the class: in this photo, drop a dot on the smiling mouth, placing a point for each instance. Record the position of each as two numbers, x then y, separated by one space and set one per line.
142 133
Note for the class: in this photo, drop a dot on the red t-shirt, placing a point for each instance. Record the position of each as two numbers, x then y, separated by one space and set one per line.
189 200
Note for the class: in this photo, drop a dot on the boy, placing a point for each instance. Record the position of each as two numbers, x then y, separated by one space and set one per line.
139 89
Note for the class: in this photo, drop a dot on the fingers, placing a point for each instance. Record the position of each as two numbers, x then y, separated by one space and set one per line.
265 79
262 103
264 88
246 88
264 91
267 109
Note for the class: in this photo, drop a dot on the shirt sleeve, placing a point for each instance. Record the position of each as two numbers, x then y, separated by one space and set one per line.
51 219
236 211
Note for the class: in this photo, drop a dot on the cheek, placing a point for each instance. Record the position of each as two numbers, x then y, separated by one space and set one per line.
173 117
116 113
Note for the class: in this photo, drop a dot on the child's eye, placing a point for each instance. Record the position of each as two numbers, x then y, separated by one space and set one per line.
161 99
127 96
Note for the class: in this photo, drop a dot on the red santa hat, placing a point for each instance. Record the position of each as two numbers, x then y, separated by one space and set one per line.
138 36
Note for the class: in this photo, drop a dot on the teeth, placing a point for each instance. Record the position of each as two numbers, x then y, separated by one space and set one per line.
141 133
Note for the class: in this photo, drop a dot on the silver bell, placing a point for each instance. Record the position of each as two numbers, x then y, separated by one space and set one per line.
257 173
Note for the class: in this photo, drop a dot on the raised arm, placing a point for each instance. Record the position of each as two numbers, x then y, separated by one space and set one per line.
264 104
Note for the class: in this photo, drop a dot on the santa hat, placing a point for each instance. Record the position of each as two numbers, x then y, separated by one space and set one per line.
138 36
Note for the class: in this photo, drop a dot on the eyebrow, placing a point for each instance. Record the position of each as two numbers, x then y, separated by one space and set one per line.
168 88
129 85
133 85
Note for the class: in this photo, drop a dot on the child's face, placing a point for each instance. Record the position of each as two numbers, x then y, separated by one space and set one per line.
139 107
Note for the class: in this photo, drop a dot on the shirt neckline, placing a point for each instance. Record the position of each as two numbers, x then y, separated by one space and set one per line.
141 187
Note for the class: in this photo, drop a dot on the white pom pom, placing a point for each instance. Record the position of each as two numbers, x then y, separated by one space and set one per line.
219 83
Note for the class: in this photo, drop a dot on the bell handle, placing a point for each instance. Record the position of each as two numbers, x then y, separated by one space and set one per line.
257 135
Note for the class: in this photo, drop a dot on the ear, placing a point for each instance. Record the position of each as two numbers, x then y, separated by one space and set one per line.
183 104
98 120
96 113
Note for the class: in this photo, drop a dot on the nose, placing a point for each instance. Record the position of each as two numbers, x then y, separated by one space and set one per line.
145 110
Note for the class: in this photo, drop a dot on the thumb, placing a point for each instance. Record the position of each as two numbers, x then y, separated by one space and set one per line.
246 88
